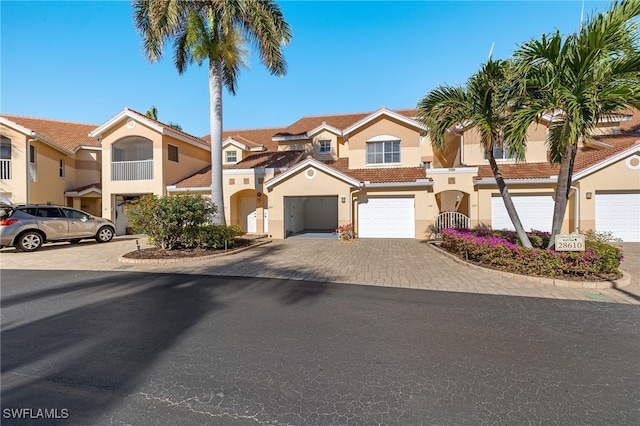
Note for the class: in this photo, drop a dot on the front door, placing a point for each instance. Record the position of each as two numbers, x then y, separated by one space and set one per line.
248 214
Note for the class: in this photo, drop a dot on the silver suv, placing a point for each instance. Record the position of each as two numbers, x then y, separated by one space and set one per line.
27 227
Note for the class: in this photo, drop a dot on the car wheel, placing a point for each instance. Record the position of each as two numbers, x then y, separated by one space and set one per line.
104 235
29 241
75 241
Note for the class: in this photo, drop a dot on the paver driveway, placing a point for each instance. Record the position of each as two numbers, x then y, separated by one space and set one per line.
382 262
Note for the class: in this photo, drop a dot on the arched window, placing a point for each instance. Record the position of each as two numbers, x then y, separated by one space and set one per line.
383 149
132 148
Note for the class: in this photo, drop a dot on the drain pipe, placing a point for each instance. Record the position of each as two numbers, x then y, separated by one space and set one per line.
576 209
353 191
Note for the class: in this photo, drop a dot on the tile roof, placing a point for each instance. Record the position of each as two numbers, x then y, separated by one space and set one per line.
339 121
586 157
379 175
262 160
634 124
82 188
253 137
65 134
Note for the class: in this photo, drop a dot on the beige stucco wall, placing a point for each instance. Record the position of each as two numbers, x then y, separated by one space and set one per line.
410 148
536 152
190 160
17 185
442 158
49 187
240 153
87 167
615 177
447 186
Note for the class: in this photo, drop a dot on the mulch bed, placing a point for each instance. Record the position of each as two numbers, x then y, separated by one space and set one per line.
182 253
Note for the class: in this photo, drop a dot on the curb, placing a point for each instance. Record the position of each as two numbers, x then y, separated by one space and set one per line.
128 260
589 285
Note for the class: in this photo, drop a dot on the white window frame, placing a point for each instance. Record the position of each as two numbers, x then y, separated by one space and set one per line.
501 152
227 156
390 148
324 146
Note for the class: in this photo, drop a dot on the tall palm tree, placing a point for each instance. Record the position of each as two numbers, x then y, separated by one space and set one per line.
480 104
578 80
216 31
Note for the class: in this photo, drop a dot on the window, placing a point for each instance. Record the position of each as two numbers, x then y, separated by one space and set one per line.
5 148
48 212
231 157
325 147
32 163
385 152
61 171
501 152
173 153
75 214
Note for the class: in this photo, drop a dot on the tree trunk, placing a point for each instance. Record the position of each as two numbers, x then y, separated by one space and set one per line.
215 120
562 191
508 202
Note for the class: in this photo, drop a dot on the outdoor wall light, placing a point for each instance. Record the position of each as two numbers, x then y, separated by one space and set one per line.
588 195
343 199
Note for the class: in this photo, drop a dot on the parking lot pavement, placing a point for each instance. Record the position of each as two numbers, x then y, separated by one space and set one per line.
379 262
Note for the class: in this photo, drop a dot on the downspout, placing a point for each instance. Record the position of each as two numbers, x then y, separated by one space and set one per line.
353 191
576 209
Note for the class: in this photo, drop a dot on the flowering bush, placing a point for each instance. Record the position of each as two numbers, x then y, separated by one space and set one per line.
345 232
499 250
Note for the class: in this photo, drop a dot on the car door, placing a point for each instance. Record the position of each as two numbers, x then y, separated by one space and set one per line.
81 224
52 222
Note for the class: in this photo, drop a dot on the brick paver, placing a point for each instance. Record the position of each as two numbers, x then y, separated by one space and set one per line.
381 262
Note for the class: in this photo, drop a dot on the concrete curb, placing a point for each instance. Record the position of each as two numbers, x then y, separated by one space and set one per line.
590 285
122 259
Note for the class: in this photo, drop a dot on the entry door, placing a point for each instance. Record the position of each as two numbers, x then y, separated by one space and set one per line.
248 214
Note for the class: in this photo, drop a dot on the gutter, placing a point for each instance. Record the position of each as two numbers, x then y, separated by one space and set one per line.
492 181
417 183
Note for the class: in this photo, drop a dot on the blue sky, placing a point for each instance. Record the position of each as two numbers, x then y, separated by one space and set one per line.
82 61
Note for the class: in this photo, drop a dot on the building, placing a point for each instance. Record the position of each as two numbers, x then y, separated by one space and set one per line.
375 170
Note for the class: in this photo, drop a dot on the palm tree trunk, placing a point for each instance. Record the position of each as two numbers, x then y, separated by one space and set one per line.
508 202
562 191
215 120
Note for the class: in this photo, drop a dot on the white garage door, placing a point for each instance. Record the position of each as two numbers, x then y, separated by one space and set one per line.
386 217
619 213
534 211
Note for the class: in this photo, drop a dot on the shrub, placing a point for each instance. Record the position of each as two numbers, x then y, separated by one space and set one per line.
345 233
164 219
209 236
497 249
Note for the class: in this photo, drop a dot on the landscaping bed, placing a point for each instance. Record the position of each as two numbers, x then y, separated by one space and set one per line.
500 250
152 253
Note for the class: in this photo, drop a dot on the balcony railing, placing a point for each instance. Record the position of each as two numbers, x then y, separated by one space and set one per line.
5 169
132 170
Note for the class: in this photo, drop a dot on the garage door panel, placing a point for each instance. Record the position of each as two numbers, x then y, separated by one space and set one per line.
534 211
619 213
380 217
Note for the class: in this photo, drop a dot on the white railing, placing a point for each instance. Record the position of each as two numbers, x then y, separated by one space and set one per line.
5 169
450 220
132 170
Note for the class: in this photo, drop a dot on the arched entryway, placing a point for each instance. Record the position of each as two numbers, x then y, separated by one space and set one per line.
249 209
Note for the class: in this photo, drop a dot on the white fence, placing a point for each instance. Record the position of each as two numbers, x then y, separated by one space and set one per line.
450 220
132 170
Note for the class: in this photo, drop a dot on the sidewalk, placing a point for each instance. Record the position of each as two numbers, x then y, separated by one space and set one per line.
391 263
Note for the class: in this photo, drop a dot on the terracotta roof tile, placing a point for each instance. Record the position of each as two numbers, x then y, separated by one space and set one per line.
339 121
257 137
268 159
379 175
634 124
65 134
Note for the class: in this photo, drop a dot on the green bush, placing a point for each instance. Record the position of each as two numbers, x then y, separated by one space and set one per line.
496 249
164 219
210 236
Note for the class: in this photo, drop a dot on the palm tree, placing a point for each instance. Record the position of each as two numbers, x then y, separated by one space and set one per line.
215 31
578 80
152 112
480 104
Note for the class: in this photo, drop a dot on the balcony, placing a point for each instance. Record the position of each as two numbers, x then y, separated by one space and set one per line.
5 169
132 170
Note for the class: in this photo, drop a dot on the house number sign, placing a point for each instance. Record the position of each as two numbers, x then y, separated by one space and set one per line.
570 242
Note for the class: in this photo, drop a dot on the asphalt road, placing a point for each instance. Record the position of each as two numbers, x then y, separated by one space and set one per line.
144 349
